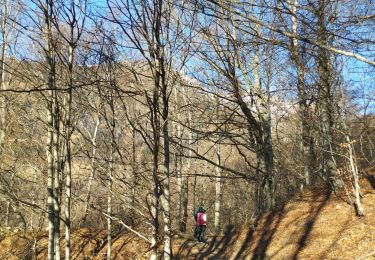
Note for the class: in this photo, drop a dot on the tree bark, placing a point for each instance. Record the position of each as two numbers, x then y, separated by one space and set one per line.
51 172
110 180
328 165
354 169
303 108
2 73
135 179
154 108
68 184
57 177
217 190
93 167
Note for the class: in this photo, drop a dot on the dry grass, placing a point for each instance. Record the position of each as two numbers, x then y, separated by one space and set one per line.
313 225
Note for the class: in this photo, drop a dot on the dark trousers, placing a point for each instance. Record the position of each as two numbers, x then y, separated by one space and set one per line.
200 231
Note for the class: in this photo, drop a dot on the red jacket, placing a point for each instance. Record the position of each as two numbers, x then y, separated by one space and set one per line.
201 219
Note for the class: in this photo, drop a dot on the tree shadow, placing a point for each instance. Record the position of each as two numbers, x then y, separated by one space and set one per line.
123 244
266 236
314 213
219 246
215 249
260 235
185 249
85 240
247 240
371 180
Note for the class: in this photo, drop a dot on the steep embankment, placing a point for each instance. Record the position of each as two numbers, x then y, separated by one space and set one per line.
313 225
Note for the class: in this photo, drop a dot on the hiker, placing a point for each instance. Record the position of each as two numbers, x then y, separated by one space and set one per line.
201 223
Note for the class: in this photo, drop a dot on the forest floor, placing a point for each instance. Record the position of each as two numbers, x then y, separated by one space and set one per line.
313 225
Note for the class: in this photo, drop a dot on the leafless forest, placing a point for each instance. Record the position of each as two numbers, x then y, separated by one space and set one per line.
126 115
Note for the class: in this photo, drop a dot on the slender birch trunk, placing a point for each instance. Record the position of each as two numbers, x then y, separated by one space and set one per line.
354 169
109 210
2 72
135 179
57 177
185 180
51 172
351 157
110 181
93 167
165 184
68 184
217 190
177 160
155 197
50 185
181 180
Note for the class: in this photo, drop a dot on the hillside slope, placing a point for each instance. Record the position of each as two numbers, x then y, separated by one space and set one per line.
313 225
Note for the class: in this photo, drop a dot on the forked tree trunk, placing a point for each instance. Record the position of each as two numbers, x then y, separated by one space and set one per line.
354 169
351 157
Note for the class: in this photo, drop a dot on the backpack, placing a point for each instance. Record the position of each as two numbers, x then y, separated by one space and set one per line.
200 219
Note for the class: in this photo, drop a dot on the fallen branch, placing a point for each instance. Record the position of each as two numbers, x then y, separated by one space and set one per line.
122 223
365 256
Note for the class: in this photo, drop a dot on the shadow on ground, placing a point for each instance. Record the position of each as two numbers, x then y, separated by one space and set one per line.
255 243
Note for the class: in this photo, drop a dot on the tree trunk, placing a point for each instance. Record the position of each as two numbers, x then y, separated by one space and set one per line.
182 180
135 179
166 196
110 181
154 108
185 180
50 187
68 184
351 157
217 190
51 172
264 150
354 169
2 74
109 212
165 199
155 203
328 165
93 168
303 109
57 177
